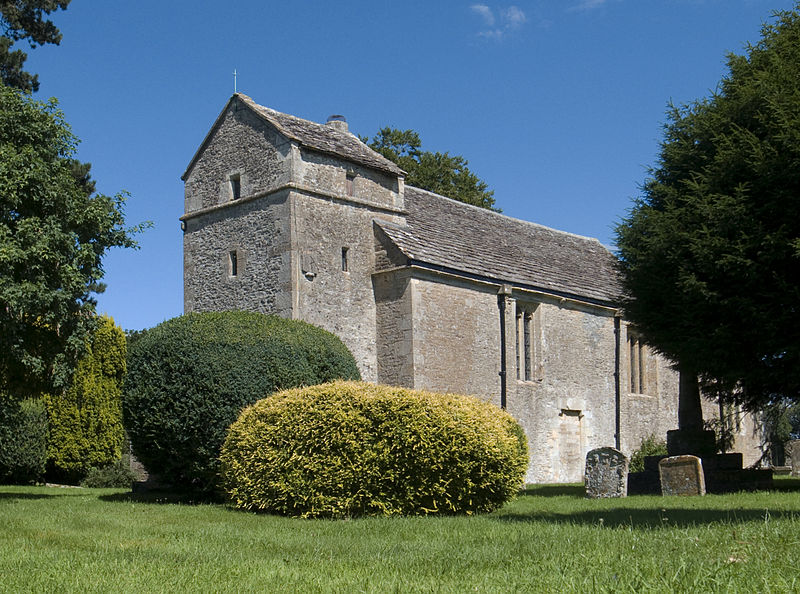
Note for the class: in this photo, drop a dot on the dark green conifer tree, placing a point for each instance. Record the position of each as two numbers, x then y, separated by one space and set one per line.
710 253
25 20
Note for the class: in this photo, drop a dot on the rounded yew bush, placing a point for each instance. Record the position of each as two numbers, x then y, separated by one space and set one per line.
189 378
350 448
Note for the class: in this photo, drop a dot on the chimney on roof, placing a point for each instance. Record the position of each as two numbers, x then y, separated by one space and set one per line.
337 122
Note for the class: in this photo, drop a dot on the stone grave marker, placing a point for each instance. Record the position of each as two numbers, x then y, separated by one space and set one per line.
793 455
682 475
606 473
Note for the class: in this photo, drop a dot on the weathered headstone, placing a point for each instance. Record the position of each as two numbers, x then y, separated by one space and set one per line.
682 475
793 452
606 473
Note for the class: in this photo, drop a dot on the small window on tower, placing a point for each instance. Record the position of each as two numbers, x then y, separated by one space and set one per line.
234 263
351 188
236 186
344 259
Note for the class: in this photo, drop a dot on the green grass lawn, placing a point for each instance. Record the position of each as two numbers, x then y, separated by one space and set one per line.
549 539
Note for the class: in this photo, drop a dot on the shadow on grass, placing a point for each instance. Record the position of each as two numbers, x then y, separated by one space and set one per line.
9 496
785 484
647 511
569 490
653 518
159 496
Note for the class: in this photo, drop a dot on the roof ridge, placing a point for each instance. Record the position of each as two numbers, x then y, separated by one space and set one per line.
370 157
460 204
253 103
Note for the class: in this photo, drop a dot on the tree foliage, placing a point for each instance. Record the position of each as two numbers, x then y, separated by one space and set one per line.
780 420
189 377
23 440
25 20
86 421
54 232
442 173
710 253
650 446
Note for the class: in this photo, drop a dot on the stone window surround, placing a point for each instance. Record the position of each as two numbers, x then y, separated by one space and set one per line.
234 186
233 269
233 263
528 341
638 355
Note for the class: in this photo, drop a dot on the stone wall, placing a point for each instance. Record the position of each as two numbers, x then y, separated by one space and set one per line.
334 247
654 409
257 231
394 338
456 329
328 175
302 218
240 144
568 407
340 301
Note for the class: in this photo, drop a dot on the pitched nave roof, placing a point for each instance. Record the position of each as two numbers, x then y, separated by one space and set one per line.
457 237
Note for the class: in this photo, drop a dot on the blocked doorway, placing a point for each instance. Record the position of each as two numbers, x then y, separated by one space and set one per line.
571 446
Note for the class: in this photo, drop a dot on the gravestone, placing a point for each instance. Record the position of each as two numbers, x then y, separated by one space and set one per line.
606 473
793 452
682 475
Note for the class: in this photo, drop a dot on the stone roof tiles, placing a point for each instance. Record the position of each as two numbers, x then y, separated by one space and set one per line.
323 138
459 237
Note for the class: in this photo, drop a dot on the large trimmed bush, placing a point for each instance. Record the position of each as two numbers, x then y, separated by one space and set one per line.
23 440
189 378
86 420
351 448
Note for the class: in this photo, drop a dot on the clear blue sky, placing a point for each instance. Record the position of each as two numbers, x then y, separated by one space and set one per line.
557 104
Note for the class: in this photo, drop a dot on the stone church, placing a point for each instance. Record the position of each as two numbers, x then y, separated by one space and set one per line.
299 219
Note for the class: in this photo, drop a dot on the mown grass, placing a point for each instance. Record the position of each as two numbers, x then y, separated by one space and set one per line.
550 539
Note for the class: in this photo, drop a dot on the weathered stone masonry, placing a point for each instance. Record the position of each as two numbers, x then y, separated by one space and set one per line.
290 217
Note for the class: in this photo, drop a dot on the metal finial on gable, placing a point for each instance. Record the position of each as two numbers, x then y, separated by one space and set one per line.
234 81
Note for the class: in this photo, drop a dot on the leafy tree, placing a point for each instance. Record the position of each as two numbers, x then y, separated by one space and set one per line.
25 20
23 440
54 232
86 421
710 253
442 173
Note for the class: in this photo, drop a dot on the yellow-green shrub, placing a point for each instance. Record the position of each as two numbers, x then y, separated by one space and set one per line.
351 448
86 420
